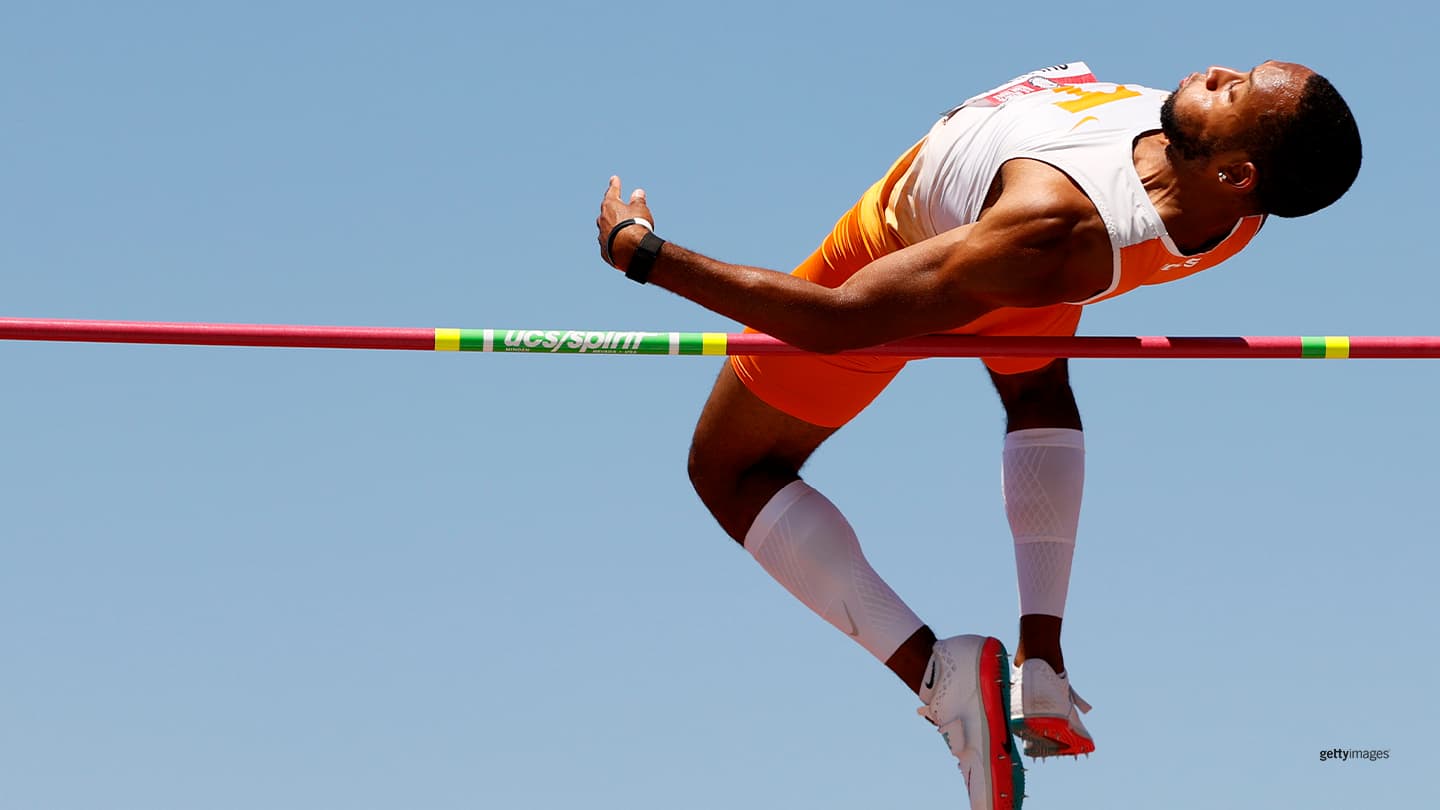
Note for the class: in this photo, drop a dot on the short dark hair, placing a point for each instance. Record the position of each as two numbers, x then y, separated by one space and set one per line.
1306 160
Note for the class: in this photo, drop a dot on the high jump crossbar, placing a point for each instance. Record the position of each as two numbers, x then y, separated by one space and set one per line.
565 341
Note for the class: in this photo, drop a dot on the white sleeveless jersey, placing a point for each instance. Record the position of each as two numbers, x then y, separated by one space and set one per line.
1086 129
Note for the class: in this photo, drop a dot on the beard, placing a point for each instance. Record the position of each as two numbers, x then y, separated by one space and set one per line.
1185 143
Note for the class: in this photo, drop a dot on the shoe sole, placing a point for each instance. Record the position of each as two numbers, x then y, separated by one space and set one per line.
1050 737
994 676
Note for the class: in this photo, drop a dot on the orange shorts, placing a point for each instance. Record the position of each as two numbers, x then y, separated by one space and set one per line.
829 390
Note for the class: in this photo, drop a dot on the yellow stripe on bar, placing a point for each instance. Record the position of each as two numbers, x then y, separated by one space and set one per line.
447 340
712 343
1337 348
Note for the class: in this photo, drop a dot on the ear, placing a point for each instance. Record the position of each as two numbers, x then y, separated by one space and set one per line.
1237 174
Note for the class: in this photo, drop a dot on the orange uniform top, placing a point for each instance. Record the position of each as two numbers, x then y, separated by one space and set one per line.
1060 116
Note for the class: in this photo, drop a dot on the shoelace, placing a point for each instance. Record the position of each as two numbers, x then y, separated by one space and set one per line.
1079 701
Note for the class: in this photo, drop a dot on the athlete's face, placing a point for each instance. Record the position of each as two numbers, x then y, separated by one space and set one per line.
1210 111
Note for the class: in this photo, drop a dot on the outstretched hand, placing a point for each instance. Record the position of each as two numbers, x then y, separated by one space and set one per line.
613 210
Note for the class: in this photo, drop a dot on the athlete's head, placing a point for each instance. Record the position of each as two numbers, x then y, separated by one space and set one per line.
1280 131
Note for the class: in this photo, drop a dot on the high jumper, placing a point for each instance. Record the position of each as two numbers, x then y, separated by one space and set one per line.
1018 208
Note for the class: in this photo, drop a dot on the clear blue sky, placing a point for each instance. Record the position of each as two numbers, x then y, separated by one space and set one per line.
308 579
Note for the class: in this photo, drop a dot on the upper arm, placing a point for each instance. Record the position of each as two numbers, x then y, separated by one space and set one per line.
1041 243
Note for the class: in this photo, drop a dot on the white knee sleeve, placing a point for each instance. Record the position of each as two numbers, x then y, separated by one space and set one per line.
804 542
1044 477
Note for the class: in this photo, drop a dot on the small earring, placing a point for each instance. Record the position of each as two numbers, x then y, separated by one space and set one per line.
1224 178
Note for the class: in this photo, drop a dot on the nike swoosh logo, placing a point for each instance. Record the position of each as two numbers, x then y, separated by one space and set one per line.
1084 120
930 677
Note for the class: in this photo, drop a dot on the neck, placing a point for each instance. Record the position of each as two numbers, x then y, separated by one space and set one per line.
1196 217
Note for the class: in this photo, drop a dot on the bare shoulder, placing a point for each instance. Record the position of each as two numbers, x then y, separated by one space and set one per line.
1032 190
1037 210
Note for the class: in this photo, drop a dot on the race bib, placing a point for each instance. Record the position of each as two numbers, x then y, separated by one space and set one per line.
1032 82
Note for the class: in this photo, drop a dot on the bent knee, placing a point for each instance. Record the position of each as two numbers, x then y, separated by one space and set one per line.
715 472
734 490
1041 398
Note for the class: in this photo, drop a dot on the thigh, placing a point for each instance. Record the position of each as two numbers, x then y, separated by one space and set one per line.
738 429
765 416
744 451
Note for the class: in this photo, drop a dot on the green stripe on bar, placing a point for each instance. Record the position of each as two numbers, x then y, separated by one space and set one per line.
1312 347
472 340
691 343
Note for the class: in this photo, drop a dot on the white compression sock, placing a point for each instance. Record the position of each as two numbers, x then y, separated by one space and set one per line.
1044 477
804 542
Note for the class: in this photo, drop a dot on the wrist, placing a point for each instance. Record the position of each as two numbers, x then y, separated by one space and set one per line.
643 258
634 250
623 239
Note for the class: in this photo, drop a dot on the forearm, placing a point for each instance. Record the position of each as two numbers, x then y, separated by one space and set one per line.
1018 257
799 312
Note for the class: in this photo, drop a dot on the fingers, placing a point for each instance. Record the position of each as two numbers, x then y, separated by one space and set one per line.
613 192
